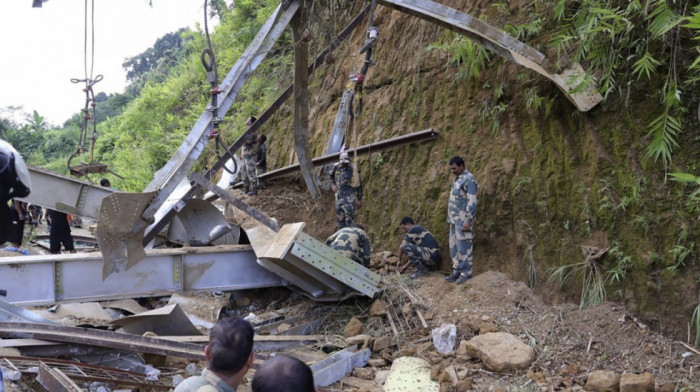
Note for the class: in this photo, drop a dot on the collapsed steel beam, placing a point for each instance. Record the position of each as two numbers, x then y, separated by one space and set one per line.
573 81
169 176
67 194
101 338
47 279
165 216
398 141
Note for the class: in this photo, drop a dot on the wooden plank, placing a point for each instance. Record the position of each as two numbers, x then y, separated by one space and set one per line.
301 104
422 320
240 204
391 322
283 241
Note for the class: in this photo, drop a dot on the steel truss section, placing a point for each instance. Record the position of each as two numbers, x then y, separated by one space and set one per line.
315 268
47 279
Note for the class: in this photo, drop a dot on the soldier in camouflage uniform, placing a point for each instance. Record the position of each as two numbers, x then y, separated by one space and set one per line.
347 196
229 354
353 243
420 246
461 213
249 155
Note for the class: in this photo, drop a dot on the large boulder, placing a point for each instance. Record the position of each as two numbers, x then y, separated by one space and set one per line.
501 351
630 382
603 381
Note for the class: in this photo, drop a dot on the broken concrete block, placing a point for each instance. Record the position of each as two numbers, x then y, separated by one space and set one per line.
603 381
501 351
381 343
410 374
630 382
9 374
364 373
378 308
353 328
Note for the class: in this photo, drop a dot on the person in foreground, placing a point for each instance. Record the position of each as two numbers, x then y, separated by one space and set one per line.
14 182
283 374
229 354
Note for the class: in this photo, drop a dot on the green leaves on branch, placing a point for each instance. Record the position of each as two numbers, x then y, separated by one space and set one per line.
646 65
662 19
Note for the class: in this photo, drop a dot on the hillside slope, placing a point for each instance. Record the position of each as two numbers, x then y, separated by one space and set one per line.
551 178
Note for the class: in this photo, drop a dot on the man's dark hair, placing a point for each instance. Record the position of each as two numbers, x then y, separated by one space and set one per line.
263 138
283 374
406 220
105 182
230 345
457 160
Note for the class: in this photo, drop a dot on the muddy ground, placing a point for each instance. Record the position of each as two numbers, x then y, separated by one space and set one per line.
570 342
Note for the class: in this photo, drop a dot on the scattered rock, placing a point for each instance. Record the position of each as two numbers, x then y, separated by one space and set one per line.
464 386
407 351
353 328
667 387
435 371
357 339
501 351
406 309
242 301
387 355
177 379
462 347
191 369
444 338
603 381
423 347
364 373
381 343
630 382
452 373
380 376
378 309
284 327
462 372
377 362
410 374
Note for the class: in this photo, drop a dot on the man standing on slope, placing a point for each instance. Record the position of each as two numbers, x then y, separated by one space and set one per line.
461 213
348 191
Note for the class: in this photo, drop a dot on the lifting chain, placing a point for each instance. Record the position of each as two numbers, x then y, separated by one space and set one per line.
209 63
